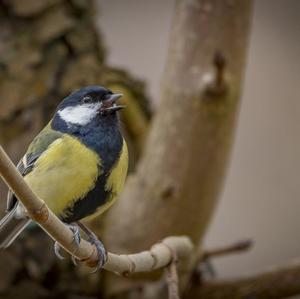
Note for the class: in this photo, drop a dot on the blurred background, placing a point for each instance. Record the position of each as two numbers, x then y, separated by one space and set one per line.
261 197
48 48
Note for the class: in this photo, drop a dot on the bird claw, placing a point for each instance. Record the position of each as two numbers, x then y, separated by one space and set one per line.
76 239
57 249
74 261
93 239
76 233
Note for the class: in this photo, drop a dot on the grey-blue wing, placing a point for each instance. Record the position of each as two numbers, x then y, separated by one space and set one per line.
24 166
40 143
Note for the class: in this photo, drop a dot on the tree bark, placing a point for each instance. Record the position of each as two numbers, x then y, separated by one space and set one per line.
180 176
49 48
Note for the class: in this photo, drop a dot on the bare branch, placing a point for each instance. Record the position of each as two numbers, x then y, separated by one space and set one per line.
172 279
158 256
239 246
276 283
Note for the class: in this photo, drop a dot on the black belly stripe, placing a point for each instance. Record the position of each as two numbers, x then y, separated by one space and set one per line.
103 136
87 205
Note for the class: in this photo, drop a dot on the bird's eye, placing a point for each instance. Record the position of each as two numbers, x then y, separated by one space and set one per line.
87 99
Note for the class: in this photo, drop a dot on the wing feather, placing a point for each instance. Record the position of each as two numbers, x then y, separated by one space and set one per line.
40 143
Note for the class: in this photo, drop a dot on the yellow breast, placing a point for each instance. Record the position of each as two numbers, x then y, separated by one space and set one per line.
65 172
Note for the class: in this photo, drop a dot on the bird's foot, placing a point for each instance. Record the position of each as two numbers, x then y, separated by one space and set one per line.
94 240
102 254
57 249
76 239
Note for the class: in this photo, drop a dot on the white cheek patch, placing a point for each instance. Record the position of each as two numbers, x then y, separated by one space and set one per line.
80 114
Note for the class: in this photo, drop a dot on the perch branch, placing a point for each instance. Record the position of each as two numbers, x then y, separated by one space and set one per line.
160 254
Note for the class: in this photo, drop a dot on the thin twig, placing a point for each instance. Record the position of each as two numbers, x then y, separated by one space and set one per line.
239 246
273 283
172 280
203 257
160 254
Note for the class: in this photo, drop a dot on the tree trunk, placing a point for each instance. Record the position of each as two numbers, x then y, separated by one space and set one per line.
179 178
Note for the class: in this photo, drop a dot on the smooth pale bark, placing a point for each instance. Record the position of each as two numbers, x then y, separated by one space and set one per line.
179 178
180 175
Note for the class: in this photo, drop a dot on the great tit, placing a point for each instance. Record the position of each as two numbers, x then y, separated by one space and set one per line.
77 164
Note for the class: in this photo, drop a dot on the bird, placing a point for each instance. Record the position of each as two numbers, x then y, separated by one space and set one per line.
77 165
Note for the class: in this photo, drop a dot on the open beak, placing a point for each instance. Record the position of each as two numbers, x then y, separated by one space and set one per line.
109 105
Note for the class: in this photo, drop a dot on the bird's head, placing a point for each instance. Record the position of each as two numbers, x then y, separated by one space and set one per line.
84 105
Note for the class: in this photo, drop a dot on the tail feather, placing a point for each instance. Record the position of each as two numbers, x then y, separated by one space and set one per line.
10 228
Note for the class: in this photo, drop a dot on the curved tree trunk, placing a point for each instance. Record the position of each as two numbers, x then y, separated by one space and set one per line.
178 181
